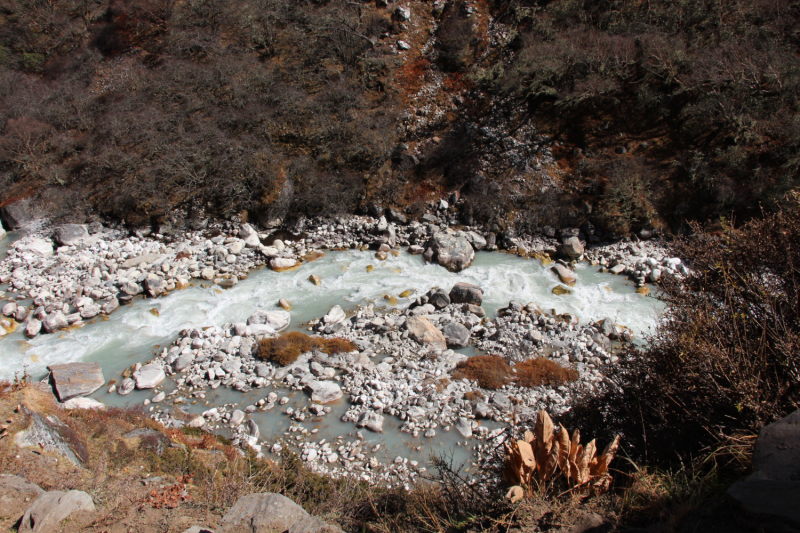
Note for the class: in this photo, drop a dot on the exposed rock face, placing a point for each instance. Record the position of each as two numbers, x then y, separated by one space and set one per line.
2 231
454 252
573 247
324 391
277 320
270 513
52 435
456 335
421 330
70 234
773 489
566 276
149 376
466 293
75 379
51 508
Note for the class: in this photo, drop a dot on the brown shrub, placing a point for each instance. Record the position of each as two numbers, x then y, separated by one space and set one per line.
474 395
286 348
490 371
541 371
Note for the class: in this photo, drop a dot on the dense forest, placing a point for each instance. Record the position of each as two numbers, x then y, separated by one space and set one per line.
630 114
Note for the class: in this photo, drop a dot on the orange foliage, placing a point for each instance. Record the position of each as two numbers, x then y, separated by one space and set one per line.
490 371
541 371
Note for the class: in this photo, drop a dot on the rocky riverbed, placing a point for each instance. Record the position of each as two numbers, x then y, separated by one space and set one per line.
61 277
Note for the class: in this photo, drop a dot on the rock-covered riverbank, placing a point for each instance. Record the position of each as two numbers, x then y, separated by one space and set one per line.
405 357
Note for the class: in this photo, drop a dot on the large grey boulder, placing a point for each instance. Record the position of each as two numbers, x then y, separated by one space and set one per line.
33 327
566 275
149 376
456 335
50 434
144 258
21 213
452 251
464 427
271 513
572 247
773 490
154 285
324 391
466 293
36 246
439 299
54 322
70 234
71 380
49 509
277 320
421 330
371 420
126 387
281 264
2 231
335 315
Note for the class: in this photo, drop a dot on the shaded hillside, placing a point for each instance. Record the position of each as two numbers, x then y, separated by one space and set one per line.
628 114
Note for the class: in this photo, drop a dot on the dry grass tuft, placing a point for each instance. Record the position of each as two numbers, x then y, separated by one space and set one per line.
286 348
541 371
490 371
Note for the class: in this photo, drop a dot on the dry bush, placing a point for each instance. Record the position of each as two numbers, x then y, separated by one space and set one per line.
533 461
725 360
474 395
287 347
542 371
490 371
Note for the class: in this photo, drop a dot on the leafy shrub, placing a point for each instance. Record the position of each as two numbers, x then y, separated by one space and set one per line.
286 348
541 371
490 371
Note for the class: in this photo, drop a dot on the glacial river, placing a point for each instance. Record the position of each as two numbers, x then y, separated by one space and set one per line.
135 332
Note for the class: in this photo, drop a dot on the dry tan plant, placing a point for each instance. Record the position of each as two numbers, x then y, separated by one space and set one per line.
539 456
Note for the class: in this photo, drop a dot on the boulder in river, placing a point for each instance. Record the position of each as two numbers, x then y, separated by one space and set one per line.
70 234
566 276
456 335
464 427
126 387
71 380
572 247
277 320
149 376
371 420
466 293
154 285
452 251
421 330
324 391
54 321
439 299
33 327
335 315
281 264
